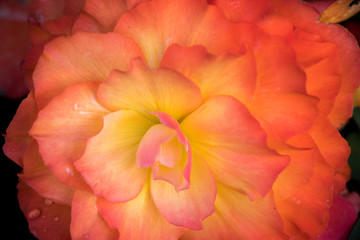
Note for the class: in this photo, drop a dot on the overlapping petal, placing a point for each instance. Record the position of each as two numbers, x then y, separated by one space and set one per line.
63 127
138 218
114 149
233 142
155 25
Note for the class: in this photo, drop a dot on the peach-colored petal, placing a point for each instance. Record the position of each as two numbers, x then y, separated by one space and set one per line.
155 25
243 11
47 219
340 11
63 127
234 145
187 208
215 75
42 179
114 149
86 23
17 137
86 222
146 90
342 217
78 58
237 217
305 18
138 219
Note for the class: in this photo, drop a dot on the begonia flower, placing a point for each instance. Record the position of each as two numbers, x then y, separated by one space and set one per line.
188 119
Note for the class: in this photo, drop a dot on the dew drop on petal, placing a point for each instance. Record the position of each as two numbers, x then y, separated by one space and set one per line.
56 219
48 202
34 232
33 214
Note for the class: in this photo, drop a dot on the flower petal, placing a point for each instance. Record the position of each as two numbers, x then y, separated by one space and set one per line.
42 179
86 222
78 58
138 219
146 90
237 217
17 134
47 219
155 25
234 145
62 143
187 208
215 75
114 149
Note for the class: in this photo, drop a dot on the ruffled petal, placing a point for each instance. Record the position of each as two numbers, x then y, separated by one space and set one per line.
187 208
63 127
138 219
234 145
215 75
86 222
47 219
155 25
17 134
40 178
305 18
78 58
237 217
114 149
146 90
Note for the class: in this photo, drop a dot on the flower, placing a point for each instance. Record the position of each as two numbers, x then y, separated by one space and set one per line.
188 119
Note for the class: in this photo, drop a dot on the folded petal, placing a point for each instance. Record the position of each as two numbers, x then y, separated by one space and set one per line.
47 219
78 58
86 222
237 217
138 218
63 127
40 178
215 75
114 149
146 90
243 11
155 25
234 145
17 137
187 208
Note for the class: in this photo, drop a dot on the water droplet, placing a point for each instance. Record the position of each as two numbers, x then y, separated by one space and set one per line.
86 236
34 232
45 230
56 219
34 214
48 202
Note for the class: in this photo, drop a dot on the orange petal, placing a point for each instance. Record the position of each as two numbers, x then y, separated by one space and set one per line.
232 141
305 18
86 222
146 90
47 219
307 210
78 58
243 11
155 25
114 149
285 115
215 75
187 208
108 12
62 143
17 134
237 217
138 219
340 11
42 179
